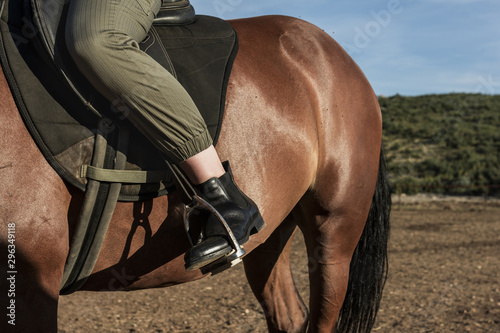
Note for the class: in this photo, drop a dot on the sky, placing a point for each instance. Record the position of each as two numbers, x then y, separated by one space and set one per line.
406 47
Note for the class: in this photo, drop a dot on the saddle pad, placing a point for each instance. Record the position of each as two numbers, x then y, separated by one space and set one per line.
62 123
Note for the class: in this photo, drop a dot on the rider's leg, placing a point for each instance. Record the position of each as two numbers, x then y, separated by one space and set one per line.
203 166
102 37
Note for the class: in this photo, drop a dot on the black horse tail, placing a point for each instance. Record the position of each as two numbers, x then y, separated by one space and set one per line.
369 264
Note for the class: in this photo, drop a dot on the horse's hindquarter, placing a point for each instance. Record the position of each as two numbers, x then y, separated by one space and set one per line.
317 126
322 100
270 134
304 113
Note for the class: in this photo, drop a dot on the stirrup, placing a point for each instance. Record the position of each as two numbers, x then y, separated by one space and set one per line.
221 264
234 257
192 203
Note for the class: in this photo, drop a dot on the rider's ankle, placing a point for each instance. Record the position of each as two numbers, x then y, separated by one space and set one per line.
203 166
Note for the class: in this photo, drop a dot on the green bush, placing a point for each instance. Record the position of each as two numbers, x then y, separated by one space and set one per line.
442 143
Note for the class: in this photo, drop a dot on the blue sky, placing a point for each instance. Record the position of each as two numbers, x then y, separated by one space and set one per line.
407 47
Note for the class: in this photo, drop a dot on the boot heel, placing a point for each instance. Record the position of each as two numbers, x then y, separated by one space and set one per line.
257 227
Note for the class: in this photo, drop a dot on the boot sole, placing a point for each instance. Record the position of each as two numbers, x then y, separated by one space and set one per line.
255 227
207 260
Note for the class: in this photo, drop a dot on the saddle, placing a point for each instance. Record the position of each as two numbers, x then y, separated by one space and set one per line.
64 112
82 135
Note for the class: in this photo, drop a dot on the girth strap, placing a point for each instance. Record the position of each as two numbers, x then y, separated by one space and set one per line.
103 189
95 215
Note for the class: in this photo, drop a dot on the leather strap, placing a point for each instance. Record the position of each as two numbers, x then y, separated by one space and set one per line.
85 248
123 176
88 218
184 186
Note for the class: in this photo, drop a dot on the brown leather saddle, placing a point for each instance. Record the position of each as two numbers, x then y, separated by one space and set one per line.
82 135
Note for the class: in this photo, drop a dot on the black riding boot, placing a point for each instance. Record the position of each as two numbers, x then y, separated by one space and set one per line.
240 213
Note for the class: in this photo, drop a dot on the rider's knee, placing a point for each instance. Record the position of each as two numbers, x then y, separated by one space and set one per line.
88 48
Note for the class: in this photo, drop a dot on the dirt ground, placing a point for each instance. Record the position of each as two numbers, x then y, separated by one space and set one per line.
444 277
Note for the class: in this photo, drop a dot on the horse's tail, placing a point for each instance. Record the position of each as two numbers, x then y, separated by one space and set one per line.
369 265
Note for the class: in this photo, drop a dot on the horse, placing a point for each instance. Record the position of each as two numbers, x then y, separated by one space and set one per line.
302 130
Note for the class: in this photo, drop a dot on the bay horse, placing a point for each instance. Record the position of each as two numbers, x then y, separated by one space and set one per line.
302 130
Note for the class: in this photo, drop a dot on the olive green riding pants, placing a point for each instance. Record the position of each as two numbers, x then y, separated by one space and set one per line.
102 36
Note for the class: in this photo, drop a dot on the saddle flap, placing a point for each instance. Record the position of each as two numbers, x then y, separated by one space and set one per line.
47 16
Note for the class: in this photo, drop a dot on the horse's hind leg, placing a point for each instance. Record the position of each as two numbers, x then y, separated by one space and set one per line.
268 272
332 229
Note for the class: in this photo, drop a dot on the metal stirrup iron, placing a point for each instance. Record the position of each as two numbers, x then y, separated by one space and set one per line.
199 202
